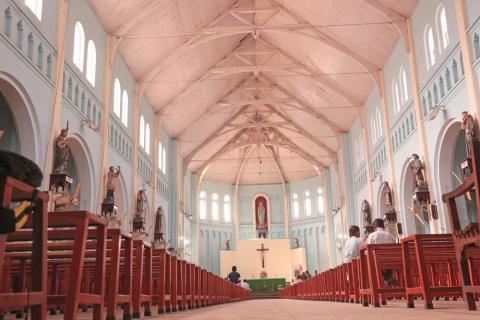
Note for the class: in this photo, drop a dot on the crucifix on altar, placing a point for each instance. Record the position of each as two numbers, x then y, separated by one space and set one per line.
262 254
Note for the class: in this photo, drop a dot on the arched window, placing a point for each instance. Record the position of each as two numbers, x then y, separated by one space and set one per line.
430 47
203 205
91 62
125 107
296 207
36 7
373 128
379 122
215 208
476 45
117 98
79 46
147 138
141 135
321 205
308 204
403 79
160 154
164 157
396 96
443 27
227 208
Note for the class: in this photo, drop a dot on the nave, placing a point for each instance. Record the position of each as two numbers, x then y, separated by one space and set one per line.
277 309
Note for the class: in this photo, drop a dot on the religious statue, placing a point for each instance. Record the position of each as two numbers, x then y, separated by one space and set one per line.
261 217
61 152
416 166
261 214
227 245
138 219
112 176
390 214
61 200
159 226
366 213
387 193
297 242
468 125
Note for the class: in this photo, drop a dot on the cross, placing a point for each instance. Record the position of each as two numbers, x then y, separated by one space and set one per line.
262 253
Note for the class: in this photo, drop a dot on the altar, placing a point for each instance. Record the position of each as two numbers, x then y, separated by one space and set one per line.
263 259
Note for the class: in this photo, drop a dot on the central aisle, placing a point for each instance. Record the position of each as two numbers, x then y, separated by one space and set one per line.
304 310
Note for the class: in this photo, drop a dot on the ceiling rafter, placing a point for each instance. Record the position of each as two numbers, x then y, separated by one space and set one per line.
302 131
199 79
159 65
276 159
308 108
373 70
322 81
208 111
397 19
215 134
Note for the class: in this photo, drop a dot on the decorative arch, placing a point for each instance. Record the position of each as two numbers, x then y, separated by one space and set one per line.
411 222
26 119
447 152
84 166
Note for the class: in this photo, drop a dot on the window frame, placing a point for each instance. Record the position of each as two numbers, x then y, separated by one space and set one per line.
91 69
79 46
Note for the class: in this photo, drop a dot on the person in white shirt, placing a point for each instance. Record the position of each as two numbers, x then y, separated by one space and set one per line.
244 284
380 236
352 246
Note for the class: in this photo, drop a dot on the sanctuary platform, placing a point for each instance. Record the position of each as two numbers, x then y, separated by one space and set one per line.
263 259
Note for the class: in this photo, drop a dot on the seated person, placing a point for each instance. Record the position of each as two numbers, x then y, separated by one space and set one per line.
244 284
352 246
380 236
234 276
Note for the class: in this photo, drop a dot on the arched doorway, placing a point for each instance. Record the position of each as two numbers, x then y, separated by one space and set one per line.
10 140
452 151
81 169
415 223
18 120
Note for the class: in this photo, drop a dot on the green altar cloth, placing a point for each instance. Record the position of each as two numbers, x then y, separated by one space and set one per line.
266 285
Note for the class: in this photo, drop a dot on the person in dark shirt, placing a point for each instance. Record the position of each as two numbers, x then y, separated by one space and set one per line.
234 276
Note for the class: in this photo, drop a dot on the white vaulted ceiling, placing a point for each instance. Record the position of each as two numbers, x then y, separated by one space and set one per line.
256 91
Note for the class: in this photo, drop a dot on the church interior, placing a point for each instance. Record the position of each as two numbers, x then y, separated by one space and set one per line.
267 158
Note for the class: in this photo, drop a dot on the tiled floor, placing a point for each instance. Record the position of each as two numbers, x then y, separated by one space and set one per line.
303 310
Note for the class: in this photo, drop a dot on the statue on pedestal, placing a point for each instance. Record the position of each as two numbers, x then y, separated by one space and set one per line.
297 242
227 245
112 176
366 213
421 195
109 206
468 125
367 217
158 234
59 177
61 152
139 217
